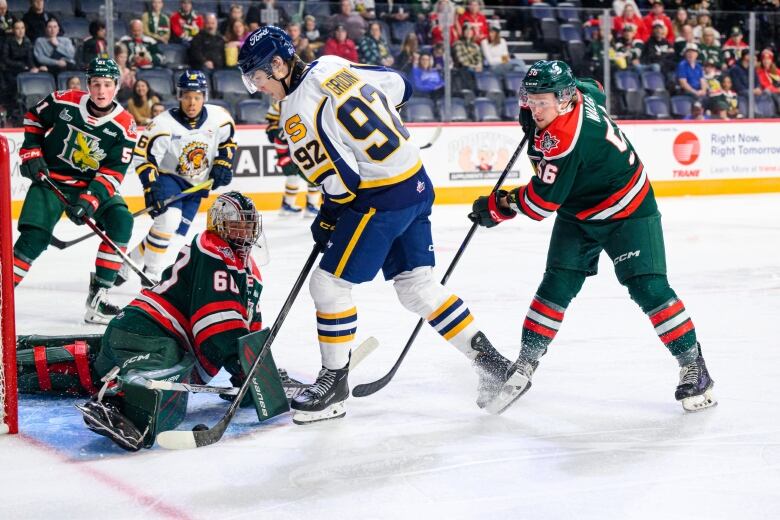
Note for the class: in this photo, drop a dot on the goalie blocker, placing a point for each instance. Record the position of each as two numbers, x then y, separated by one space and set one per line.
121 406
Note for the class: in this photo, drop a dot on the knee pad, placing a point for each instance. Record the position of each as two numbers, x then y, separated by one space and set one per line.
649 291
560 286
32 242
330 294
418 291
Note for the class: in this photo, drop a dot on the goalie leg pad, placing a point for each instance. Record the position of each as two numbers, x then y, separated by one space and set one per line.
268 393
57 365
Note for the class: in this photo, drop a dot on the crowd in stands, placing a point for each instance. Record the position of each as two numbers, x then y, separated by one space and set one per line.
696 56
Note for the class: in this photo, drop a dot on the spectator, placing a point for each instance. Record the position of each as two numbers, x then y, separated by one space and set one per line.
658 53
185 23
341 45
438 56
630 16
768 76
496 53
685 39
478 22
690 75
468 61
73 83
141 102
703 20
157 24
96 45
352 22
57 53
628 48
733 47
365 8
594 54
234 38
720 110
709 48
697 112
409 48
236 13
16 56
373 49
142 49
266 14
657 13
157 109
312 34
127 80
730 97
302 48
207 48
740 73
680 20
436 34
712 80
392 12
427 80
6 22
619 5
36 19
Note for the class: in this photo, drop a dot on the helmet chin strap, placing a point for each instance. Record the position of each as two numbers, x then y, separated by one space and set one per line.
294 70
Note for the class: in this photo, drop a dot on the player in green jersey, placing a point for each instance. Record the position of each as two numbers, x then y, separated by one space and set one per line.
83 142
590 175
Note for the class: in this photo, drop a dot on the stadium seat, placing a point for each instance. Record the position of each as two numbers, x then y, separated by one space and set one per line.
628 84
386 33
75 27
171 103
569 32
550 33
175 55
251 111
32 87
512 82
458 112
160 80
567 12
418 110
229 86
489 85
399 30
60 8
485 110
63 77
91 8
574 52
206 6
742 105
653 82
511 109
541 10
681 105
319 10
222 103
765 106
657 107
120 29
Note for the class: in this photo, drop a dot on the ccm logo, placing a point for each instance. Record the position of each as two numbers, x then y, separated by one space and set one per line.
626 256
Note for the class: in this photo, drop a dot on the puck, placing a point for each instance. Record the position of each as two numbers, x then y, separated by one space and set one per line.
200 427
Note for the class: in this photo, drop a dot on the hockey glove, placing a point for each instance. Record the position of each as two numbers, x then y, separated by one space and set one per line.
222 173
33 163
486 211
154 197
527 122
83 209
321 229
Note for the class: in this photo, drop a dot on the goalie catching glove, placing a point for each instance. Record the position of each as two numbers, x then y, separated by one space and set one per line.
487 211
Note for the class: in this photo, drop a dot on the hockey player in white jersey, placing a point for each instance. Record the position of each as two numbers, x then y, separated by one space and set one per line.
180 148
341 122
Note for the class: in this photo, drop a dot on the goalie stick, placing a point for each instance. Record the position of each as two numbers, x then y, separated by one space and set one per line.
62 244
358 355
179 439
375 386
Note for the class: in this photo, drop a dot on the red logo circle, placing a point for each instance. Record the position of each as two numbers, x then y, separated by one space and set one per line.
686 148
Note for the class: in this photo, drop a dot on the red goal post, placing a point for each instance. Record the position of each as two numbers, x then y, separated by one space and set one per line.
8 405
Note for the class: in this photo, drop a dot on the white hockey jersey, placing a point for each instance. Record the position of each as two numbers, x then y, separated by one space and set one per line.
171 145
346 135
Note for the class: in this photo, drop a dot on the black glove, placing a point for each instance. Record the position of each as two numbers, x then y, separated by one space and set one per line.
527 122
486 211
33 163
154 197
321 229
222 173
83 209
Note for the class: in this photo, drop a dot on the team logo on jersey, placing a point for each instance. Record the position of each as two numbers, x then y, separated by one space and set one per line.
548 142
82 150
193 160
65 116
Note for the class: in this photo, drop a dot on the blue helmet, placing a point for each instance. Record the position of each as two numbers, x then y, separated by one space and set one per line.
259 49
192 81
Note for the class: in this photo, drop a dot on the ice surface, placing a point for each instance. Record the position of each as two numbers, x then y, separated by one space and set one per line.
598 436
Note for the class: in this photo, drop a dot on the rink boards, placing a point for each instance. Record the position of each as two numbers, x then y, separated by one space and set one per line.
681 157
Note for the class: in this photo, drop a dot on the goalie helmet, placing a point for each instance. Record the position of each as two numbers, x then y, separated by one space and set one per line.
549 76
234 218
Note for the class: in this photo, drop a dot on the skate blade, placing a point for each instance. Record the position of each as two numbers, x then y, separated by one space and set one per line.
513 389
699 402
334 411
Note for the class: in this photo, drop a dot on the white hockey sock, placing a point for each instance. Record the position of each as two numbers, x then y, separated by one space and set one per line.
291 189
155 245
336 317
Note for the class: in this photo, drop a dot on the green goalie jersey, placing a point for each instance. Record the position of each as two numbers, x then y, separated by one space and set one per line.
81 151
206 300
586 169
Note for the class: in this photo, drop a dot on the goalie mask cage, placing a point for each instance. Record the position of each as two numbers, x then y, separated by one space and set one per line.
8 410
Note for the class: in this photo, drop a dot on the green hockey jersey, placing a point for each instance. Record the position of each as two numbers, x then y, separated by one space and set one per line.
585 167
206 300
81 151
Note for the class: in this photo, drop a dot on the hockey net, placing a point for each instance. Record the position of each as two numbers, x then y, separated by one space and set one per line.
8 410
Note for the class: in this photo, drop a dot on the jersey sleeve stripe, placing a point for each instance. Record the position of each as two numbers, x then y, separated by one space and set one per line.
539 201
527 208
212 319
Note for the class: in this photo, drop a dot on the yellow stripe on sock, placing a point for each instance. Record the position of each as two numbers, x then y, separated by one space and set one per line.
335 339
444 306
156 249
159 234
336 315
462 325
353 242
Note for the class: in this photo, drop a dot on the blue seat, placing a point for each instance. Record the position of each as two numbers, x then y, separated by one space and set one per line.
418 110
458 111
488 83
160 80
681 105
550 33
228 85
765 106
251 111
626 80
75 27
513 81
63 77
222 103
485 110
32 87
653 82
657 107
567 12
570 33
742 105
399 30
511 109
60 8
175 55
541 10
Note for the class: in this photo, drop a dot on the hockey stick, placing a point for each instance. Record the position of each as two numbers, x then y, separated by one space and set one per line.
99 232
360 353
434 137
375 386
179 439
62 244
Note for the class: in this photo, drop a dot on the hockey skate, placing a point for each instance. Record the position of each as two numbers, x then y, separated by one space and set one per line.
105 419
491 369
518 382
695 387
289 210
324 399
311 211
99 309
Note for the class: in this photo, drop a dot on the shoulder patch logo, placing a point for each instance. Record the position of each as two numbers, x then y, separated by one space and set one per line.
65 116
226 252
82 150
548 142
193 159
